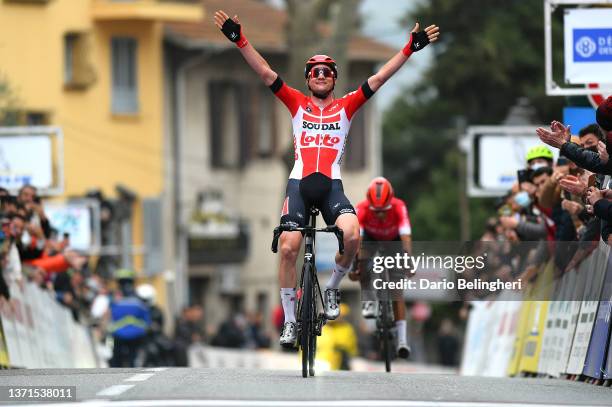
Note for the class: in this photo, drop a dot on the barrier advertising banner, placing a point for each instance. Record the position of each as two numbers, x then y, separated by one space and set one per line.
11 336
607 373
477 337
561 326
598 344
595 271
536 322
521 333
38 332
503 334
547 356
578 281
4 359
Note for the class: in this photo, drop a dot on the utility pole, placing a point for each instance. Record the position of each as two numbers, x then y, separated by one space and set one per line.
464 203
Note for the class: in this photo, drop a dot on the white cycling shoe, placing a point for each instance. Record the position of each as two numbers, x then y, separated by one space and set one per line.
368 309
288 335
332 303
403 350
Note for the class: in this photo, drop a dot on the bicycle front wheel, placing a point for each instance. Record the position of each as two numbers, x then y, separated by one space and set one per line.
307 322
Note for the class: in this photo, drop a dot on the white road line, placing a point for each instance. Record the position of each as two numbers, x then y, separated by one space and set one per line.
140 377
314 403
156 369
115 390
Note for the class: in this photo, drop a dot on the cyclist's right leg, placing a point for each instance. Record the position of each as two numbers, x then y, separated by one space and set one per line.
290 243
289 248
293 212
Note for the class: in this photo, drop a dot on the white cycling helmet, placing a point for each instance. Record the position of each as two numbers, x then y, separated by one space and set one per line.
146 292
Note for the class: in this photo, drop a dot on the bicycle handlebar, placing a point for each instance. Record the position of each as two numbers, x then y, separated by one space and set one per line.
290 228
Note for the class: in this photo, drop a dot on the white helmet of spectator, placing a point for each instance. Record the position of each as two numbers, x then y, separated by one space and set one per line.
146 292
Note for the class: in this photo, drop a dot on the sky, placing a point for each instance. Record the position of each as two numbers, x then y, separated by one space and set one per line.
381 22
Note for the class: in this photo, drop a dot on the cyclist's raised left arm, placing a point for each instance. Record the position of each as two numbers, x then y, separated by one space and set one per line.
232 29
418 40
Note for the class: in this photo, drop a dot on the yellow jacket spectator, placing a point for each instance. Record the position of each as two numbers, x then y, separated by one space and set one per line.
338 342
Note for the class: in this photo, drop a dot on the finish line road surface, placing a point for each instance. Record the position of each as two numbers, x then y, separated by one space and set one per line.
255 388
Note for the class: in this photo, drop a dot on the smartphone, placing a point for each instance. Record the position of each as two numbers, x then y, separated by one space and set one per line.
562 161
566 195
523 175
592 180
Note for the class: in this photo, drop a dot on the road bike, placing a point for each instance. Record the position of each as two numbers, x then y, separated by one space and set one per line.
310 320
386 332
385 325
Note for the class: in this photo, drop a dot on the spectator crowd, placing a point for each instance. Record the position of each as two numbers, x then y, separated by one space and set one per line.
121 313
557 210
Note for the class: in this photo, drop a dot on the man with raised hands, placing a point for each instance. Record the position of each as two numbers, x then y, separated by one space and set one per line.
320 127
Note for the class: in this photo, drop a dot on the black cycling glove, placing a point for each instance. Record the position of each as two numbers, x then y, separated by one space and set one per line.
419 41
233 31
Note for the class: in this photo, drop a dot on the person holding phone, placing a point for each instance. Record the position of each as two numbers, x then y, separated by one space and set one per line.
28 197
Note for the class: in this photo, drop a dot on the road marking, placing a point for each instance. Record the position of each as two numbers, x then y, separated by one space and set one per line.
140 377
313 403
156 369
115 390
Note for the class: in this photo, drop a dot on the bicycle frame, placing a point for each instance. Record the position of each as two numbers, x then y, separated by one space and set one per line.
309 321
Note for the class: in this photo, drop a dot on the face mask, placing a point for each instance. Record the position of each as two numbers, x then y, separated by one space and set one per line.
538 165
522 199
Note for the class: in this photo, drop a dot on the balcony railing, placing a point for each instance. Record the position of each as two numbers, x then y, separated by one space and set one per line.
154 10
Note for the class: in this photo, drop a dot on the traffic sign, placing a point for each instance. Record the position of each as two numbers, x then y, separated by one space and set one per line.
597 98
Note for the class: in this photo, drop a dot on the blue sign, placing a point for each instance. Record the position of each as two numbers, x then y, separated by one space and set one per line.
578 117
593 45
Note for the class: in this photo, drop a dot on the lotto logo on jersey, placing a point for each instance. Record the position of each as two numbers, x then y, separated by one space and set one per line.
319 140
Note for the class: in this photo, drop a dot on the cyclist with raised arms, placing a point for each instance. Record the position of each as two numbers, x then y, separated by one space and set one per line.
320 127
383 218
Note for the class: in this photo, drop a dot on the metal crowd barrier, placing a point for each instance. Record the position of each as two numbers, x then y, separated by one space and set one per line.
518 333
38 332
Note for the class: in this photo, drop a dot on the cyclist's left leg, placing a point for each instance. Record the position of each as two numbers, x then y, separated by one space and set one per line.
350 226
364 256
338 210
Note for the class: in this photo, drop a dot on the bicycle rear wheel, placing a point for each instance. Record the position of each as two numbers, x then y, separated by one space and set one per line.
385 334
306 343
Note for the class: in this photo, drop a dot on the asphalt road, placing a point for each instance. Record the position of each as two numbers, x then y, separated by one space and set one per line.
245 387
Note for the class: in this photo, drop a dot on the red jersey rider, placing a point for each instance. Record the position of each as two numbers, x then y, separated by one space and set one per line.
383 218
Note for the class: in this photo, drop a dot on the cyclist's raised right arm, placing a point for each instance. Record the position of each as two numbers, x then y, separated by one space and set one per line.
233 31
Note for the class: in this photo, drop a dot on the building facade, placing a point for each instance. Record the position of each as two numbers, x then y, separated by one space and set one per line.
95 69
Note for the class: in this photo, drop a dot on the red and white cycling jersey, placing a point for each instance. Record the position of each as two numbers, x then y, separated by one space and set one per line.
396 223
319 135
